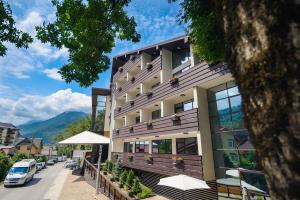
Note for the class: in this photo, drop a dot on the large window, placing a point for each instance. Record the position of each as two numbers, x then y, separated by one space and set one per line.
162 146
141 147
156 114
187 146
184 106
231 144
180 57
128 147
137 119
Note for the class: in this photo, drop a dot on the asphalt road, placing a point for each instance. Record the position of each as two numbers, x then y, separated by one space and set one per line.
46 185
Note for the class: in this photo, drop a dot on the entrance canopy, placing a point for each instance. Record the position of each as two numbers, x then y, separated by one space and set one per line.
86 137
183 182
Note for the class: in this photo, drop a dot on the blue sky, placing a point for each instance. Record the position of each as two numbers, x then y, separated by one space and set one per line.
31 89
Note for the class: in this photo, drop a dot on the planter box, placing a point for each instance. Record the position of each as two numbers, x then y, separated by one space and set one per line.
132 79
173 81
119 89
131 103
149 94
121 69
131 129
149 66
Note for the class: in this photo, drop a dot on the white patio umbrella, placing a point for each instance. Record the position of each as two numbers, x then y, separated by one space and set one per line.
183 182
233 172
88 137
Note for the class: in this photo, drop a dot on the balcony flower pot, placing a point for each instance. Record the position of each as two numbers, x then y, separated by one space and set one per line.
116 131
148 124
132 79
119 89
131 102
149 94
130 157
175 118
149 66
149 159
119 108
132 58
173 80
131 129
177 161
116 156
121 69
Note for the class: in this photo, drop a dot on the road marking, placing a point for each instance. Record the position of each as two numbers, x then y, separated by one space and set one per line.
54 191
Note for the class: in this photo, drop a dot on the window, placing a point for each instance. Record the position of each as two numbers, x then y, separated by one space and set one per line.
137 119
162 146
187 146
230 143
184 106
180 56
156 114
141 147
128 147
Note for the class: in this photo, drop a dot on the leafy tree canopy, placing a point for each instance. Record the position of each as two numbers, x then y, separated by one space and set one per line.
206 34
88 30
9 32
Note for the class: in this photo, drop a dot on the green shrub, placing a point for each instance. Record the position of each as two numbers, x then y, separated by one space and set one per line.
109 166
129 179
123 177
18 157
5 164
136 188
146 192
117 170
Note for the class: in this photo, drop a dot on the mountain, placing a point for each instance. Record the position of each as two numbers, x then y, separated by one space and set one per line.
49 128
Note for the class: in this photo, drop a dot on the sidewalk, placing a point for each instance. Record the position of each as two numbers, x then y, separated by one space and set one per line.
76 188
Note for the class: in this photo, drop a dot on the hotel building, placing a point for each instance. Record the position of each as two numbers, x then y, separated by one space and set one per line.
169 113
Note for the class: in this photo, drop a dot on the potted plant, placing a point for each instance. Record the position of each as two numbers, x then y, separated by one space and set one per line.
119 89
119 108
175 117
132 58
116 131
132 79
131 102
173 80
149 159
136 188
116 156
177 160
149 66
121 69
148 123
130 157
149 94
131 129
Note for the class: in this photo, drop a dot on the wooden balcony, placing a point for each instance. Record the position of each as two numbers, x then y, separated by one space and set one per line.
140 77
198 74
162 163
186 121
126 67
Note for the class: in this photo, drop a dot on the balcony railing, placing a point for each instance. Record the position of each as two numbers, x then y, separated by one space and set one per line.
195 76
163 164
183 122
123 70
140 77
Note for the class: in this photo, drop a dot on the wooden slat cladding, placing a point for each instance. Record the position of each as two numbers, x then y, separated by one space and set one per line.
188 122
126 67
162 164
140 77
188 79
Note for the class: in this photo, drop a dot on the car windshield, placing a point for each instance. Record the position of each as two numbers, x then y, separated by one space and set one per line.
18 170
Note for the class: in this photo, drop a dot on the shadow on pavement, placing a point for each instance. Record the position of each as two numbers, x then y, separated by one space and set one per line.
79 179
34 181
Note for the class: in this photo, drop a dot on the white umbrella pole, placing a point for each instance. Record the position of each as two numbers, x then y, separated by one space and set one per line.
98 169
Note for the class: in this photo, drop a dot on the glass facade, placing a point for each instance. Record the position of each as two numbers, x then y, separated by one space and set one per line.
231 144
180 56
141 147
184 106
162 146
187 146
128 147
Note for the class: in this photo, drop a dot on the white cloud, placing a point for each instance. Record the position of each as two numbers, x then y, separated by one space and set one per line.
28 24
53 73
34 107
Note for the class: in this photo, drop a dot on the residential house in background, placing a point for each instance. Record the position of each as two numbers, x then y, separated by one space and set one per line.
29 146
8 134
8 150
170 113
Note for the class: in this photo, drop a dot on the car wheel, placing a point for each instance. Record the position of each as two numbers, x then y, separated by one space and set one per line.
6 186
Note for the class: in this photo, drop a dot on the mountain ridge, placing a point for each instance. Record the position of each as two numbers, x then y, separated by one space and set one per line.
47 129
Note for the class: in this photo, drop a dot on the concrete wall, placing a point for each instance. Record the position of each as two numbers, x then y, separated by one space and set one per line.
166 72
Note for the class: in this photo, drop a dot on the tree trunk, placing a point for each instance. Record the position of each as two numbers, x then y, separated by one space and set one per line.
263 53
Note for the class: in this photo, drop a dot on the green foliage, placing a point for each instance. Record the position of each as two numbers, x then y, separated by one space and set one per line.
18 157
42 158
205 32
8 31
109 166
100 120
136 187
117 170
129 179
5 164
145 192
88 30
123 177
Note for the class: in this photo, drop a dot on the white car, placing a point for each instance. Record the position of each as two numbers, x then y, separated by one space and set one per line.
21 172
39 166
